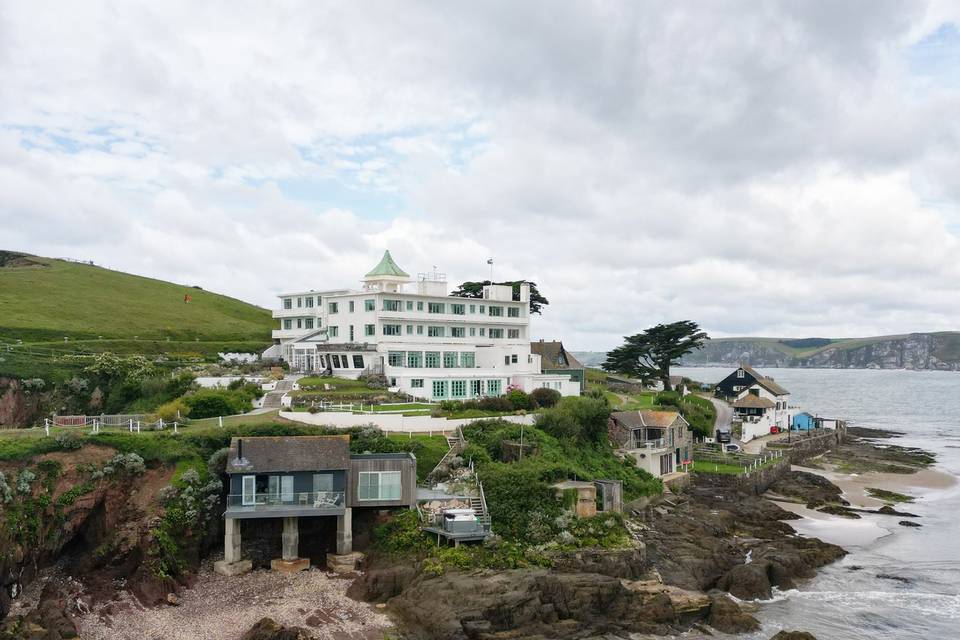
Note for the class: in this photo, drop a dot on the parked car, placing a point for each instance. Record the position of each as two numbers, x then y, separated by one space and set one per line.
732 448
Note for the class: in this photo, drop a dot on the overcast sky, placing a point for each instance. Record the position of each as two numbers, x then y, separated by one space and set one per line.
762 168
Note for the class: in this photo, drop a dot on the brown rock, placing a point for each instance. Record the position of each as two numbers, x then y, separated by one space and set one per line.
793 635
268 629
727 616
748 581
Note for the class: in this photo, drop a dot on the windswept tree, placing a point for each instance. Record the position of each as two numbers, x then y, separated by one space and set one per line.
650 354
475 290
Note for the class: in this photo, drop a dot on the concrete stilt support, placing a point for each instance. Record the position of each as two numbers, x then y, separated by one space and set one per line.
232 564
345 532
290 562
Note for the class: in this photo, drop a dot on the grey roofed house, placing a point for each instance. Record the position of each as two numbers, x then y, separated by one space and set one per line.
751 401
555 359
269 454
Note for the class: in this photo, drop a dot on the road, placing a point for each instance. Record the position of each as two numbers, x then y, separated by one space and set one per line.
724 414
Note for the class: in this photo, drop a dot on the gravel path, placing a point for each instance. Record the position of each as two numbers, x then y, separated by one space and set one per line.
218 607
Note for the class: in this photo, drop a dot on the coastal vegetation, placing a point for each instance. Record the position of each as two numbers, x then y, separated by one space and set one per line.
649 355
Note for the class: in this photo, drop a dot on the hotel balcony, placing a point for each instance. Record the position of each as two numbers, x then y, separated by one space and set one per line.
265 505
298 312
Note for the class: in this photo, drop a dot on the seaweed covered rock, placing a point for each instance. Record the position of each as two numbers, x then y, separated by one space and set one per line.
727 616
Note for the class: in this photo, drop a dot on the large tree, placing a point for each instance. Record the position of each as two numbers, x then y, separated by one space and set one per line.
475 290
650 354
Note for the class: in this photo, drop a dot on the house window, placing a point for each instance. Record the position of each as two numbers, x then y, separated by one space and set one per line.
449 359
309 302
249 491
333 331
494 387
299 303
369 305
299 323
513 334
740 373
476 387
473 308
420 305
395 358
333 307
322 482
336 361
280 489
409 305
496 311
308 323
458 332
287 303
414 359
439 389
436 307
513 359
457 309
513 312
391 330
431 359
482 332
288 324
358 362
391 305
416 383
351 333
473 331
393 382
351 306
369 329
419 329
467 359
379 485
458 388
435 332
482 309
496 333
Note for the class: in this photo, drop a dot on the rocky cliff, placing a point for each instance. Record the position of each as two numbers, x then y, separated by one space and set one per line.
919 351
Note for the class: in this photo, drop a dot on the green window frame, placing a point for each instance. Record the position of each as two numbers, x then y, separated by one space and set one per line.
468 359
369 329
457 309
351 333
333 331
458 388
476 387
482 309
513 334
473 331
395 358
496 334
288 303
435 332
409 329
414 359
439 389
369 305
436 307
495 311
419 305
409 305
449 359
494 387
431 359
392 305
416 383
392 330
473 308
513 312
351 306
288 324
333 307
419 329
458 332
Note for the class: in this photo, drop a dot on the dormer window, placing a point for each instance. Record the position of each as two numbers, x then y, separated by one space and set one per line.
741 373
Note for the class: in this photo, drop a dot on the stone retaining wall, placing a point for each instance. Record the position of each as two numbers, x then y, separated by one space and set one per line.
803 447
755 483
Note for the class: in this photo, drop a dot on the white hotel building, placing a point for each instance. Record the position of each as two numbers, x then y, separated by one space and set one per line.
426 342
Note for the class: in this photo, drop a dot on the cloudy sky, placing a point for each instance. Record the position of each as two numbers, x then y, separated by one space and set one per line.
763 168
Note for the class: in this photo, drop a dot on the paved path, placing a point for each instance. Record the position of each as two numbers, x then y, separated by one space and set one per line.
724 414
272 399
390 422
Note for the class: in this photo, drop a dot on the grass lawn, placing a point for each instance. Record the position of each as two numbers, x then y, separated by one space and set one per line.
733 468
270 417
429 452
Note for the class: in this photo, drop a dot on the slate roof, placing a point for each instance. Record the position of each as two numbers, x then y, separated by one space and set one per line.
273 454
647 418
751 401
387 267
765 382
550 355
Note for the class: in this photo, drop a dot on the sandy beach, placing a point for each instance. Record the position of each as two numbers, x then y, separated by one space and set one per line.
221 608
854 486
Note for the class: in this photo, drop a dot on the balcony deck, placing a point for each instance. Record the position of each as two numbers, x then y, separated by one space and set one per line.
322 503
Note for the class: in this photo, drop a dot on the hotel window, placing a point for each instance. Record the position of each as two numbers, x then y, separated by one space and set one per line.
468 359
416 383
351 333
391 305
458 332
476 387
473 331
333 307
435 332
513 359
288 324
483 332
333 331
436 307
369 329
496 333
287 303
391 330
439 388
308 323
358 362
395 358
431 359
458 388
419 329
457 309
299 323
513 334
473 308
309 302
513 312
299 303
414 359
351 306
409 305
506 359
336 362
482 310
494 387
449 359
379 485
393 382
409 329
420 305
369 305
496 311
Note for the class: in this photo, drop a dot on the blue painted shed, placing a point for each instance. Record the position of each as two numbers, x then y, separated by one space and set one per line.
803 422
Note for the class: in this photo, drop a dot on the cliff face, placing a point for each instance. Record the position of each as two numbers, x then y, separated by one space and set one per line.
920 351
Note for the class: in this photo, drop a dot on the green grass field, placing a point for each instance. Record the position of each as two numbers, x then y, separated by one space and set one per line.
43 300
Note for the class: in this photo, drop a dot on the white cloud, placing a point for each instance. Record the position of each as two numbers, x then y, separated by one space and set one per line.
773 169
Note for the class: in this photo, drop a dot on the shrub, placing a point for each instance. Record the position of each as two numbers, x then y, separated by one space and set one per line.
518 399
24 478
544 397
173 410
6 493
217 463
210 403
68 440
401 534
577 418
494 403
128 462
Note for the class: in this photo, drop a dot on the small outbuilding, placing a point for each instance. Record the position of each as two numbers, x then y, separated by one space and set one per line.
803 422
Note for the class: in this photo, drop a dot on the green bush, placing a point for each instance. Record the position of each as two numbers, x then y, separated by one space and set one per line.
544 397
68 440
210 403
401 534
519 400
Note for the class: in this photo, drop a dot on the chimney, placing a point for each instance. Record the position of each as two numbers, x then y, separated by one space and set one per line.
239 448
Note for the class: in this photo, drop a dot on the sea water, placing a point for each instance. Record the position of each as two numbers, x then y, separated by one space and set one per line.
847 600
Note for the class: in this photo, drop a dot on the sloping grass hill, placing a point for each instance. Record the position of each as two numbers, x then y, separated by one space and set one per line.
42 299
